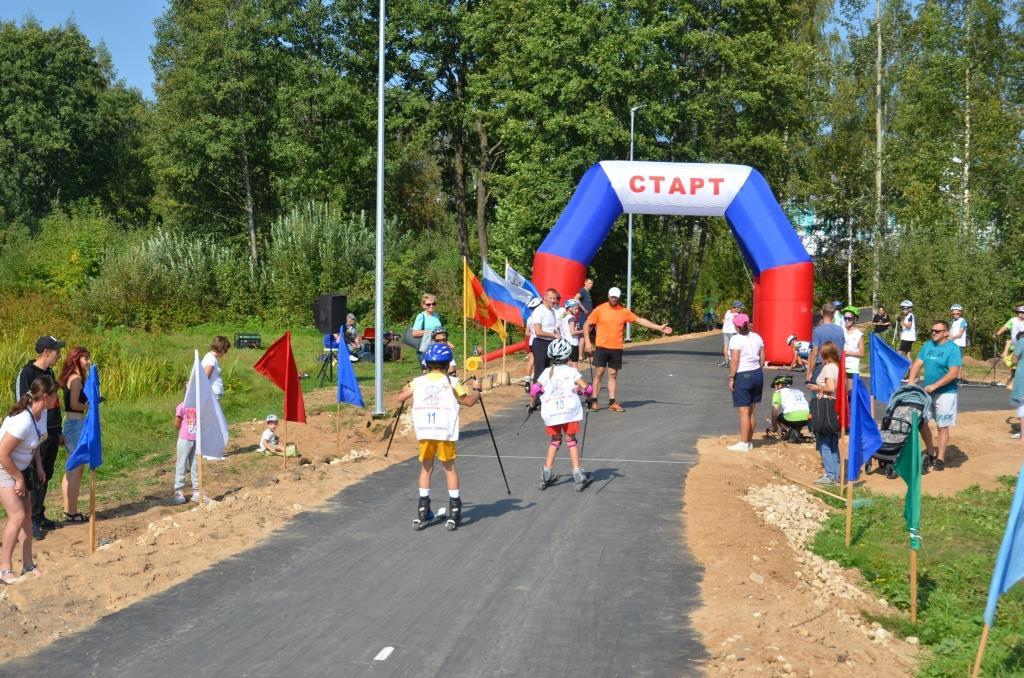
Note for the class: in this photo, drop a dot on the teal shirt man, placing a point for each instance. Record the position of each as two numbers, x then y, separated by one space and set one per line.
937 359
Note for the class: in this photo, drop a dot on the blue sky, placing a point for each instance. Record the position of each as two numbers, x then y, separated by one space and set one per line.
126 26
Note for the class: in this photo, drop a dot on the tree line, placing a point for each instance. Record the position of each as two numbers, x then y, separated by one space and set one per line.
264 121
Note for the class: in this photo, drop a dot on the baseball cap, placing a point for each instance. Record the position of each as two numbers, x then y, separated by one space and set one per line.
48 342
615 292
271 418
740 319
1020 309
572 303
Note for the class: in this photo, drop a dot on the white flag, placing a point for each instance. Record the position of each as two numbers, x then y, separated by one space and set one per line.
211 426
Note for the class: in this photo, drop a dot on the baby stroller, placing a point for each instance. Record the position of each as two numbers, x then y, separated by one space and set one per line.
897 425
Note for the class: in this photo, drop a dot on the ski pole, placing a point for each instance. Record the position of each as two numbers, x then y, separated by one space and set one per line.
395 427
586 413
493 442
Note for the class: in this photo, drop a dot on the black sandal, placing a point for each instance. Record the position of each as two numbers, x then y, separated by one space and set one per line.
75 517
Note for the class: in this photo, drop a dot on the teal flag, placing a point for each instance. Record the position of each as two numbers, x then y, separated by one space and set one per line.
909 468
1010 562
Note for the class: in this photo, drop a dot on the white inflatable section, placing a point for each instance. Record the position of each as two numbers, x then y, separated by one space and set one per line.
692 189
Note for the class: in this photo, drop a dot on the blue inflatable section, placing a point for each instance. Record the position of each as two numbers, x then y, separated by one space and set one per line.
586 220
761 228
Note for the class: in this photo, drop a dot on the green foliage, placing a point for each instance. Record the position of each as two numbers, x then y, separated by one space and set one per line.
961 535
67 130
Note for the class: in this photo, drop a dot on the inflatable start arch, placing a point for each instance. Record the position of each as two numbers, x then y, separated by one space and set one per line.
783 272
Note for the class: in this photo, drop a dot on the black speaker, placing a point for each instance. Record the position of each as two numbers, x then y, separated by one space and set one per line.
329 312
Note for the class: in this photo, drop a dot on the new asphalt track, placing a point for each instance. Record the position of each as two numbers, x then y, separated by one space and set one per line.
542 583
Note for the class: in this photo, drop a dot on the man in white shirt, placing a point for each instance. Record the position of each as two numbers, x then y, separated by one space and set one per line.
908 328
543 323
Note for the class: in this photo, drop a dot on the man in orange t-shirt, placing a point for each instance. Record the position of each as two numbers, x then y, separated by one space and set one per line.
610 320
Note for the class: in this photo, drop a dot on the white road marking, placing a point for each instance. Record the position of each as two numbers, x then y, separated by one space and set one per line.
635 461
384 654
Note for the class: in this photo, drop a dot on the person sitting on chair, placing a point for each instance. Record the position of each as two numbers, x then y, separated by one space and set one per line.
352 340
801 349
790 411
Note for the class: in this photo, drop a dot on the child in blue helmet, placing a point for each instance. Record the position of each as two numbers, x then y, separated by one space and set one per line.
559 388
436 398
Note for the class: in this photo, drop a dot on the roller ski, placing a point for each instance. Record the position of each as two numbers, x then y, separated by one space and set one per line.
426 517
454 514
582 479
547 479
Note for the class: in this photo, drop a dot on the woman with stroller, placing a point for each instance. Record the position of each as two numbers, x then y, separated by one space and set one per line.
826 438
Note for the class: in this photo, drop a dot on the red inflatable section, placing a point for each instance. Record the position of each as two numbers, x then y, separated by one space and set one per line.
565 275
783 305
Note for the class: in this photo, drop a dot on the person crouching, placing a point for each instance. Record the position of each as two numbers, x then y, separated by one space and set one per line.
436 398
790 411
559 387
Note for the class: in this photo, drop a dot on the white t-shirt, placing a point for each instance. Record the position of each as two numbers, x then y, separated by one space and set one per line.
568 324
727 325
435 409
793 400
956 326
546 318
909 333
559 403
268 441
30 432
749 345
216 382
1015 325
854 337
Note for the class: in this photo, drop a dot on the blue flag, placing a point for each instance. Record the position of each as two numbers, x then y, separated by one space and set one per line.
1010 561
348 386
865 438
887 369
90 445
520 280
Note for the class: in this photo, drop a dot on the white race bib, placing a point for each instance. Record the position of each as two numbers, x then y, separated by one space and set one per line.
435 409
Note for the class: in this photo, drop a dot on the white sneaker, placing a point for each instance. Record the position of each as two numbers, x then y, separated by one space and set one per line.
740 447
1015 436
352 358
195 497
179 497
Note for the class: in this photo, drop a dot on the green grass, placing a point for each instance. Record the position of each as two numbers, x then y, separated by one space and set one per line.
961 537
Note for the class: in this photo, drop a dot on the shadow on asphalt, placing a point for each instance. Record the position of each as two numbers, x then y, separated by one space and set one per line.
642 403
474 513
605 476
670 351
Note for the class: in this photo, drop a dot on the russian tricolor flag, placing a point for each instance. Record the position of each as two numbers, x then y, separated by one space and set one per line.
509 301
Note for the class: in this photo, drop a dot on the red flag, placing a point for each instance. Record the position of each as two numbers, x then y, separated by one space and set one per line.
477 305
278 365
842 400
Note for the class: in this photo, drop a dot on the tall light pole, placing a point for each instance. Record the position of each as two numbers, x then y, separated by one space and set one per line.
629 239
378 340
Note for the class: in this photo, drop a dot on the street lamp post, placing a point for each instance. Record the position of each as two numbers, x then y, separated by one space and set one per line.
629 239
378 340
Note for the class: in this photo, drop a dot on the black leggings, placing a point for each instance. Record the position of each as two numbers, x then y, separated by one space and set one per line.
48 454
539 348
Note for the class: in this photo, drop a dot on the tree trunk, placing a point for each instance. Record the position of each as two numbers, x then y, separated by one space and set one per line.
250 210
877 239
686 306
965 224
481 189
459 162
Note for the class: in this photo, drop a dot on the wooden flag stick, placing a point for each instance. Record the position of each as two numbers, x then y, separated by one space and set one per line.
337 429
482 357
198 461
981 653
504 347
913 586
849 512
92 513
842 460
284 454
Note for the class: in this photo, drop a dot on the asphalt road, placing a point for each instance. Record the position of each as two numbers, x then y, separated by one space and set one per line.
549 583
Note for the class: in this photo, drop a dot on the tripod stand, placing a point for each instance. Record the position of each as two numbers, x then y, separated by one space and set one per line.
327 359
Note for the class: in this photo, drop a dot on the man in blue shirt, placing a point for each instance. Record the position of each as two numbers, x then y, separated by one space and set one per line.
825 331
941 361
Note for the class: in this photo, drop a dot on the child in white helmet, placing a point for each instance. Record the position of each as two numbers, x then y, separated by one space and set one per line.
559 388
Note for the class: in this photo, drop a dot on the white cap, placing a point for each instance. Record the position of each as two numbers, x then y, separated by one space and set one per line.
271 418
615 292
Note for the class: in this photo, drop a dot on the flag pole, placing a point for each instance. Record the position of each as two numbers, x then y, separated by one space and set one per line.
913 586
482 361
981 653
849 512
197 455
465 321
504 347
92 513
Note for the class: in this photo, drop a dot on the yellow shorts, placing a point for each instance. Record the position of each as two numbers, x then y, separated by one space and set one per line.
442 449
